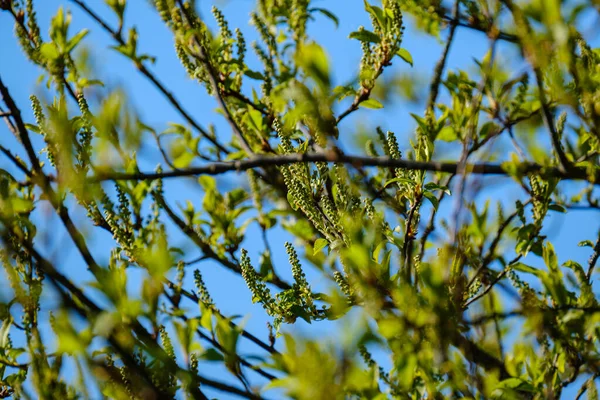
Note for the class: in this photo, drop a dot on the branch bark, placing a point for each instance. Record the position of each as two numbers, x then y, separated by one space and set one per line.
217 168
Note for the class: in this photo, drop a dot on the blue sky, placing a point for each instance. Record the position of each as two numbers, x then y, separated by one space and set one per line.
228 290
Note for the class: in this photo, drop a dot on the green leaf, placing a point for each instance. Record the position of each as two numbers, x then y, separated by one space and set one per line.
365 36
4 330
211 355
487 129
447 134
20 205
74 41
421 121
435 186
585 243
400 180
33 128
292 201
405 55
557 207
320 244
49 51
312 58
550 258
254 75
378 14
371 103
341 92
431 197
328 14
183 160
527 269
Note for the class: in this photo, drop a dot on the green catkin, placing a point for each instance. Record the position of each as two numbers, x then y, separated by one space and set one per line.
370 149
255 190
38 112
163 9
166 342
286 144
331 213
265 35
560 124
241 45
32 25
126 382
269 67
203 293
298 18
301 284
180 276
342 282
86 132
190 68
224 33
241 54
258 288
383 140
395 152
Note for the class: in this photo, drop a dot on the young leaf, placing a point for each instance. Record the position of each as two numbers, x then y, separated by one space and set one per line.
371 103
365 36
405 55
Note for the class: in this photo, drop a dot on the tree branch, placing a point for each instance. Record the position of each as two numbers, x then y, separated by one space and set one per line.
217 168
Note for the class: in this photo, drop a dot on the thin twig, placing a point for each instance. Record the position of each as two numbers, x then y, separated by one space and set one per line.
439 68
593 259
494 282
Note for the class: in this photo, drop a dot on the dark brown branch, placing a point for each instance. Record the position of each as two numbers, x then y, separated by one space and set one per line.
18 163
217 168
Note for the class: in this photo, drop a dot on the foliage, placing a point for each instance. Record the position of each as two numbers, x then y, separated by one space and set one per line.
429 284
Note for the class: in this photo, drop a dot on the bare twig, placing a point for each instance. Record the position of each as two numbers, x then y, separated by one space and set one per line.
439 68
593 259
